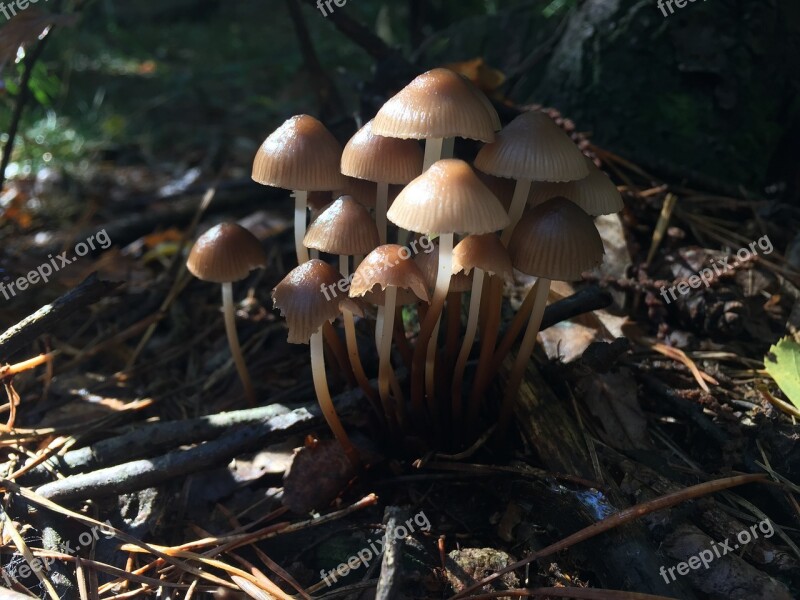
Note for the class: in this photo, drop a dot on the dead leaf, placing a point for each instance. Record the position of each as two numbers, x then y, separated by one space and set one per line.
613 399
317 475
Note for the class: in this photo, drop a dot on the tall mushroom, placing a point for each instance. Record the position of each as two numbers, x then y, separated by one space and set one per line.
435 107
346 229
554 240
388 267
303 156
300 298
530 148
447 199
382 160
486 255
224 254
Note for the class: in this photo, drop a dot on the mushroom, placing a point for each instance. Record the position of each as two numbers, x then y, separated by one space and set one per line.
226 253
447 199
554 240
300 299
388 267
486 255
595 194
530 148
345 228
303 156
383 160
437 106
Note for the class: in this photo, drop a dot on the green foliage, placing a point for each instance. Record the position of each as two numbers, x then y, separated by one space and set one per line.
783 365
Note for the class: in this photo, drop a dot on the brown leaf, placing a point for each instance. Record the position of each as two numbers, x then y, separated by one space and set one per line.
317 475
612 398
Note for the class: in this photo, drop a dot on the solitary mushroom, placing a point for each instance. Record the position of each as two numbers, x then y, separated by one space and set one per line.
301 155
554 240
224 254
300 298
389 268
384 161
447 199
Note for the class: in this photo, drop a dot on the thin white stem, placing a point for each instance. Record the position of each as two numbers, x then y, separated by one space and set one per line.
443 276
518 202
229 313
386 320
325 400
448 147
433 152
466 346
381 205
300 218
525 350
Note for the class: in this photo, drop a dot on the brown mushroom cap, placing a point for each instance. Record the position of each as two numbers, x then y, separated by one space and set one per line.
485 252
301 154
556 240
301 299
428 263
437 104
388 265
448 198
377 158
595 194
225 253
533 147
366 192
345 227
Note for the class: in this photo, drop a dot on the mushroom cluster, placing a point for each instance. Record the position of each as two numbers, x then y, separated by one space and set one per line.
525 203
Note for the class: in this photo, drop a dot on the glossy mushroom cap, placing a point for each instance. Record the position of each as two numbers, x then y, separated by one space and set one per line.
437 104
301 298
448 198
225 253
300 155
428 263
595 194
485 252
345 227
533 147
377 158
387 265
557 240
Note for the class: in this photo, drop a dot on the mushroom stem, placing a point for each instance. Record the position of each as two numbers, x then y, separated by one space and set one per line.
233 341
381 205
433 152
512 332
540 293
488 340
400 339
325 400
518 202
451 340
466 346
339 353
386 320
419 364
352 343
300 203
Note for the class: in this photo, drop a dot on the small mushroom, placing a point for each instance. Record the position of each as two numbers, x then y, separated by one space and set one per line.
595 194
224 254
301 155
301 299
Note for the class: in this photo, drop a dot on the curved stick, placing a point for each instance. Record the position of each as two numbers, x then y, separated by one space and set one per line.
233 341
325 400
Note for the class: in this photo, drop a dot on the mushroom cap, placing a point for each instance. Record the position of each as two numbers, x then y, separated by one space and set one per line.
557 240
428 263
377 158
377 296
301 299
595 194
345 227
225 253
366 192
437 104
301 154
533 147
485 252
388 265
448 198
